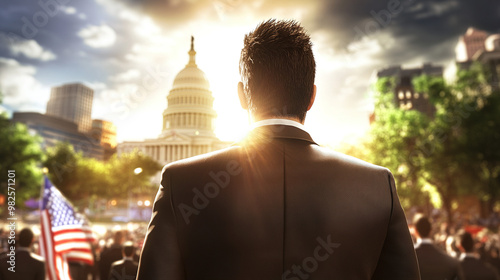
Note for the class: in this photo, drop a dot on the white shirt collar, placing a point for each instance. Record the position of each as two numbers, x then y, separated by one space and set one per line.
468 255
423 241
278 122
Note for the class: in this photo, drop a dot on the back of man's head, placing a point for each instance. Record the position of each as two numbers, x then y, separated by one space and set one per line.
466 241
277 69
26 237
128 249
423 226
118 237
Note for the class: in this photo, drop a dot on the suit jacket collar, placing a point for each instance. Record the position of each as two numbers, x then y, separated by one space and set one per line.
277 132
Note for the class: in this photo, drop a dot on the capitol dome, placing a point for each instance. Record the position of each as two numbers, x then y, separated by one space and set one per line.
190 102
191 77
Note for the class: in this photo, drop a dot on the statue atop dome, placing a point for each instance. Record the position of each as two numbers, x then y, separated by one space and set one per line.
192 54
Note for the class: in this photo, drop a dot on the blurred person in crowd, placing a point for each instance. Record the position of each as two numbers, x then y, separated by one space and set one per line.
492 252
111 254
28 266
472 266
277 205
127 267
82 270
433 262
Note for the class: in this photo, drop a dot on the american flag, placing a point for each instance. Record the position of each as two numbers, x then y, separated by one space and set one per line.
65 235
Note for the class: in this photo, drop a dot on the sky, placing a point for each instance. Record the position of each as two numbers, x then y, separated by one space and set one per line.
129 52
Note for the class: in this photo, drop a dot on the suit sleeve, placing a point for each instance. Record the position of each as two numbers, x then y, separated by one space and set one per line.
160 256
41 275
397 259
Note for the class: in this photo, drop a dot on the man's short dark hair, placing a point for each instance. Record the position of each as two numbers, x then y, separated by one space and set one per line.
277 69
466 241
118 237
26 237
423 226
128 249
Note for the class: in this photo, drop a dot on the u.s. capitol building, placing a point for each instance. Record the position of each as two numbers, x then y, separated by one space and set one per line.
188 120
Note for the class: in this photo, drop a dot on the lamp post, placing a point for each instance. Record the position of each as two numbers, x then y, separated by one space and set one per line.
137 171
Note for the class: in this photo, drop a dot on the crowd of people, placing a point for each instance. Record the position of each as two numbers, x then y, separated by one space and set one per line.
451 252
459 251
116 256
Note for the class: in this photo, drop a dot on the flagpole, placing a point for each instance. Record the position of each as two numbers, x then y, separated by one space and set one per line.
45 171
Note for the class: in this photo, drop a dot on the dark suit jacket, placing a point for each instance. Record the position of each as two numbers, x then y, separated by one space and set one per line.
29 266
123 270
475 269
109 255
277 206
434 264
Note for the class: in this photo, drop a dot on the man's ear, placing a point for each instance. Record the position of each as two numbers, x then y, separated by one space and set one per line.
242 97
313 97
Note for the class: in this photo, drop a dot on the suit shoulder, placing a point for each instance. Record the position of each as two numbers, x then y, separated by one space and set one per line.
200 159
37 258
346 160
117 263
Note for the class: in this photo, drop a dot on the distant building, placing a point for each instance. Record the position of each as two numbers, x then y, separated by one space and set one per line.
470 43
105 134
72 102
188 120
405 95
480 46
53 130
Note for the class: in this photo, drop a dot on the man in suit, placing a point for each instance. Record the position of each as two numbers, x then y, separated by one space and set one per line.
434 264
125 269
111 254
27 265
473 267
276 205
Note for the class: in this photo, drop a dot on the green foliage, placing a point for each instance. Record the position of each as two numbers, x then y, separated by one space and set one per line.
396 142
83 179
62 163
456 153
20 151
121 171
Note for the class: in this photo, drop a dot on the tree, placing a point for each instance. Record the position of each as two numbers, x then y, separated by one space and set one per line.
125 180
20 151
482 143
464 138
63 163
394 141
83 179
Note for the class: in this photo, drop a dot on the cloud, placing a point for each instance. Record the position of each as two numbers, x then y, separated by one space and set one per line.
17 46
127 76
98 36
69 10
21 90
